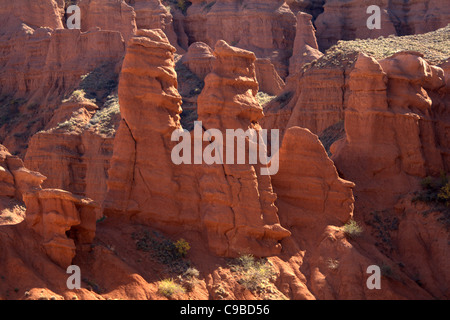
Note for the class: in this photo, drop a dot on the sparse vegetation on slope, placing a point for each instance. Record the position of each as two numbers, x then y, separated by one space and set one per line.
435 46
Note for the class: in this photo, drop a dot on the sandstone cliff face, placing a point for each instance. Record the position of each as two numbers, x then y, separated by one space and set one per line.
154 15
251 226
407 145
45 13
313 196
198 59
305 48
50 212
146 184
415 17
313 99
108 15
265 28
348 21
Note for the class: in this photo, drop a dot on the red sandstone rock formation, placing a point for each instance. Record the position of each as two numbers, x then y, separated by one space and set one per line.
265 28
109 15
152 14
34 14
308 186
388 123
414 17
154 197
347 21
313 99
198 59
344 20
50 212
305 45
252 225
268 79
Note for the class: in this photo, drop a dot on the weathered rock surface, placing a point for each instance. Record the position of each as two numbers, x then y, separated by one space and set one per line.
213 208
34 14
347 20
308 184
268 79
344 20
305 49
198 59
265 28
108 15
51 213
154 15
388 124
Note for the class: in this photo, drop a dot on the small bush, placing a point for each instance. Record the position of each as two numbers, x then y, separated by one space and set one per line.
164 250
190 278
169 287
352 229
253 275
264 98
333 264
182 247
191 273
444 194
435 190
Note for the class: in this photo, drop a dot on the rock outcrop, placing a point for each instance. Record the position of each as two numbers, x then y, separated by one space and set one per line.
154 15
305 49
146 184
108 15
198 59
347 20
52 214
252 225
389 126
46 13
265 28
344 20
308 186
268 79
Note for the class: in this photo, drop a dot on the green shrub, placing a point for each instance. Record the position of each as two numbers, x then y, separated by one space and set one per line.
254 275
182 247
169 287
435 190
352 229
444 194
164 250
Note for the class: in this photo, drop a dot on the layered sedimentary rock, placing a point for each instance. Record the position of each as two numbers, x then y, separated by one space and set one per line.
313 99
154 15
55 59
308 186
265 28
74 162
344 20
145 183
39 67
305 44
34 14
109 15
268 79
347 20
413 17
389 124
252 224
148 118
198 59
52 214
